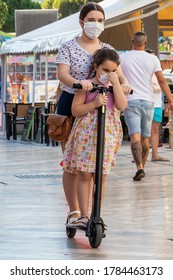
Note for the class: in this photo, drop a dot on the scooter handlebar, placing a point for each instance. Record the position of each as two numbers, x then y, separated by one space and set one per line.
77 86
97 87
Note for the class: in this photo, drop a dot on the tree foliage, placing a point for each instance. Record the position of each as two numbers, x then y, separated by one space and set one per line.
9 25
3 13
47 4
69 7
8 7
65 7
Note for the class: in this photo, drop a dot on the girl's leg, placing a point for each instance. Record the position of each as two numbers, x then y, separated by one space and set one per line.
104 178
63 146
83 190
70 190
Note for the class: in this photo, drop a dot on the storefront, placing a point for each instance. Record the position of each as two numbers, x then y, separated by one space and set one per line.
29 72
20 78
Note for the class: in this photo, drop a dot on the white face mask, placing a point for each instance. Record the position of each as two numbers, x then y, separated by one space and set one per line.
104 79
93 29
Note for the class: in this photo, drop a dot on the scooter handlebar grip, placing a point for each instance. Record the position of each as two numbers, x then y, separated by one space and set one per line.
77 86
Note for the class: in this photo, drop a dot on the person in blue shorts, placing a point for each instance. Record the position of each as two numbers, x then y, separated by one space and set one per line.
138 67
157 118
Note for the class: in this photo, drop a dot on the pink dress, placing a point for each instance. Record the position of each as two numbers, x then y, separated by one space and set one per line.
80 149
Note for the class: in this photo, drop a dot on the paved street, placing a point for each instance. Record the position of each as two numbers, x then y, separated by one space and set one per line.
33 209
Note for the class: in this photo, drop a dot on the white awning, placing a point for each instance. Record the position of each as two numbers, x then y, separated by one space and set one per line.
51 36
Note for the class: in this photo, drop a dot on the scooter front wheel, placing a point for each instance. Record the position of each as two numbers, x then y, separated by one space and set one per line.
96 237
71 232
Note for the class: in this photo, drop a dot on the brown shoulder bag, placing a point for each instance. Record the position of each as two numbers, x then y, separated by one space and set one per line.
59 127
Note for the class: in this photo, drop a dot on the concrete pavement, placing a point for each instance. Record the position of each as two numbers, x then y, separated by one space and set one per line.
33 209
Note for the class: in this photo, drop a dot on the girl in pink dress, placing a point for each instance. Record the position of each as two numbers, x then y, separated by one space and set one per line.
80 149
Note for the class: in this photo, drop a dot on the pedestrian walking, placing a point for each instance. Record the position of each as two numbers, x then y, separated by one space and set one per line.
139 66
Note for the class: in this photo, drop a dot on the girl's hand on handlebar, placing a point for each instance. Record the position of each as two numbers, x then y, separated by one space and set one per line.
127 89
100 100
86 85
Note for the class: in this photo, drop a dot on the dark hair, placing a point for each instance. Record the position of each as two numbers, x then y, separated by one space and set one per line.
149 51
105 54
88 7
140 33
101 55
139 38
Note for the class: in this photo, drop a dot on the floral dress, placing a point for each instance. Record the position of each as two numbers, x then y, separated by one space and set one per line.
80 149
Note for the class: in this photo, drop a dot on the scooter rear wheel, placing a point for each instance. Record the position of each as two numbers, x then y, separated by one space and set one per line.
70 232
96 237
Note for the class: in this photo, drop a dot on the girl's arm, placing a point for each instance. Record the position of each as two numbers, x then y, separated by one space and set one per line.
122 78
119 96
58 92
65 77
123 81
80 108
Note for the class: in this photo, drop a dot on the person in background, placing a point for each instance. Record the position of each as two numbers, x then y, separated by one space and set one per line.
157 118
139 66
80 149
74 61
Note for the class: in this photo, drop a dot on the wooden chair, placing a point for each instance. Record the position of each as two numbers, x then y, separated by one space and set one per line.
51 107
19 118
44 126
41 124
16 117
38 109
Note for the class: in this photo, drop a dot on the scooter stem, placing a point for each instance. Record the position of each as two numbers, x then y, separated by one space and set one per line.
99 159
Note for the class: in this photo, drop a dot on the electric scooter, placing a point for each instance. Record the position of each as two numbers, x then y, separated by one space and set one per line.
96 228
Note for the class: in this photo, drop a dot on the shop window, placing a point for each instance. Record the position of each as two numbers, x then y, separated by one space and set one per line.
20 78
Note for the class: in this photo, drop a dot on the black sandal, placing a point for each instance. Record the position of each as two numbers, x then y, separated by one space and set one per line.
139 175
